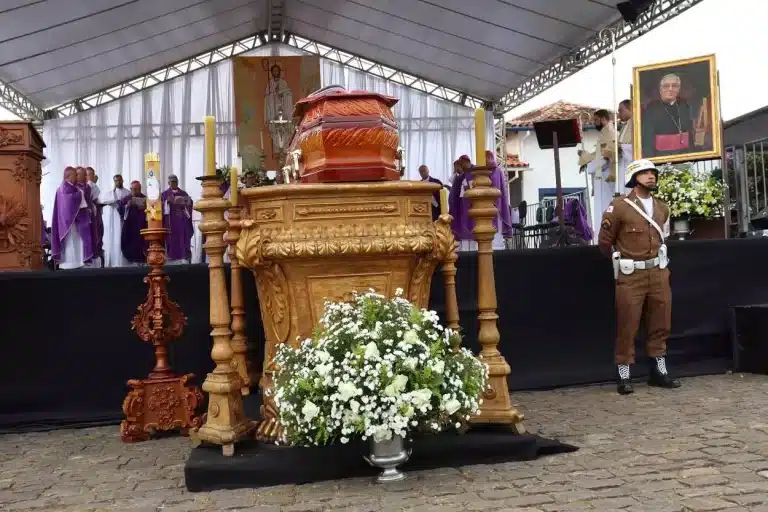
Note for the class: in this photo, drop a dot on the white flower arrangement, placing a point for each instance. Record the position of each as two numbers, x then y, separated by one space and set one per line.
689 193
376 368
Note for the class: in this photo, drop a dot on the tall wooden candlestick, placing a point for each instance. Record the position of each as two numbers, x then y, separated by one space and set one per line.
496 407
449 275
163 401
239 339
225 423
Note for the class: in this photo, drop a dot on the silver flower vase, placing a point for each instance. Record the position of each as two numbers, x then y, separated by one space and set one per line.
681 228
388 455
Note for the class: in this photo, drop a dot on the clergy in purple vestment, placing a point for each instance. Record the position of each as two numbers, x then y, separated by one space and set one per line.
98 207
576 215
458 206
71 242
133 210
82 184
424 173
499 181
177 210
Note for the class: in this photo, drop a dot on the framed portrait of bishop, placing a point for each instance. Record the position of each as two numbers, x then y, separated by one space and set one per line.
676 111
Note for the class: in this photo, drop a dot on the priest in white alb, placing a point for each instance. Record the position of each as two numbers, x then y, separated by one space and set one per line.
113 222
600 165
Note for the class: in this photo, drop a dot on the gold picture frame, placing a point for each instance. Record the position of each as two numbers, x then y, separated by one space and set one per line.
696 117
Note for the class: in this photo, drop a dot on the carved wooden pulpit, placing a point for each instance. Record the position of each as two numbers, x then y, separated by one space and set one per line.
21 220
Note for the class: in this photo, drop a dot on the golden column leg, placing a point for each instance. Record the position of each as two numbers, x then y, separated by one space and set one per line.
239 340
449 278
496 407
269 430
225 423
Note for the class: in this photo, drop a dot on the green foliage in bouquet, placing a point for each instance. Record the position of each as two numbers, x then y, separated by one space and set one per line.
261 175
222 173
376 367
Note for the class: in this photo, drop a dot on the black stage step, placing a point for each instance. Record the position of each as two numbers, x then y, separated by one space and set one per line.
262 465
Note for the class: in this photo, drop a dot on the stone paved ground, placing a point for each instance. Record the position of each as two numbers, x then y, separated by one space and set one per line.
703 447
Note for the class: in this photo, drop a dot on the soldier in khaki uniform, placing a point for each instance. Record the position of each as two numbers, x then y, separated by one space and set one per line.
632 232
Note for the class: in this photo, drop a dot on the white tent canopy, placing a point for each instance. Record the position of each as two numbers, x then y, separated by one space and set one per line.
53 51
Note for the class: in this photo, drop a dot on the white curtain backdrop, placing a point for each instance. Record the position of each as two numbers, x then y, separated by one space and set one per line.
167 119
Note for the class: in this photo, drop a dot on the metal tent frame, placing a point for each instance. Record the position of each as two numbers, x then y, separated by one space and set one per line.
568 64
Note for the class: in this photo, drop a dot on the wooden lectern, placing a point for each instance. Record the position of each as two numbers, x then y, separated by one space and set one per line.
21 219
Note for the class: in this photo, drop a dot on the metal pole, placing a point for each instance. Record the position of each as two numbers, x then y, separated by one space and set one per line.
724 165
745 188
762 164
610 33
754 174
587 201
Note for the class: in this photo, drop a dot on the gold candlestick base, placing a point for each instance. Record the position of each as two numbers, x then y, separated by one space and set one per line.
239 339
497 407
225 422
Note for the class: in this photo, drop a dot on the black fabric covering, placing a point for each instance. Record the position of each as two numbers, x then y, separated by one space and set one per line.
68 348
261 465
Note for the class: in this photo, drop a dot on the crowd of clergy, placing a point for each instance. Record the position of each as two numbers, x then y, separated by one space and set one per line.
599 164
91 227
508 219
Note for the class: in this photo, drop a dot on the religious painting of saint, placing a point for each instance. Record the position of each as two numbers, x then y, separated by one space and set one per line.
265 91
676 111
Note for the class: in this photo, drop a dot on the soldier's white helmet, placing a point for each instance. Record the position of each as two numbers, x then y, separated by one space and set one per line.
639 166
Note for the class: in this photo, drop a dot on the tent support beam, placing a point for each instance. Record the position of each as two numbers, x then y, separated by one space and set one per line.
380 70
275 11
15 102
592 50
158 76
575 60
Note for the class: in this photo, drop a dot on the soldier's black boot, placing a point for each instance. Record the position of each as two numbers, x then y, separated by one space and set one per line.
658 376
623 380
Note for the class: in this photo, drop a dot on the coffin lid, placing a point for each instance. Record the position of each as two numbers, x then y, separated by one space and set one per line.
334 92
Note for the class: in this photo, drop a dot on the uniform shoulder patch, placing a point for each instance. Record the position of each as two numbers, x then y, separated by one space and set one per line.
609 209
606 224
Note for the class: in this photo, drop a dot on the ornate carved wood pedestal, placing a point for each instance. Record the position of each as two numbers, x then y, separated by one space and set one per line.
239 340
496 407
163 401
21 222
225 422
311 242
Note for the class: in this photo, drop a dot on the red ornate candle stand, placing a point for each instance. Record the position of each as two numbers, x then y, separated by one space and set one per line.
163 401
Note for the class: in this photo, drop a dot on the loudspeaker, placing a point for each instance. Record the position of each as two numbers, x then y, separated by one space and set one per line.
760 221
748 327
631 10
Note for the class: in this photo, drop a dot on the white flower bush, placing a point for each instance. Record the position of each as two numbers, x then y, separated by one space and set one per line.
376 368
690 193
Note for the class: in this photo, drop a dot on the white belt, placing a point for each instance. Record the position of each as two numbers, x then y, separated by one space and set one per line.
645 265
